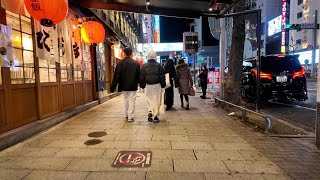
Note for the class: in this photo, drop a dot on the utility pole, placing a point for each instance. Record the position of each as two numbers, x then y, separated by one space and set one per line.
314 45
222 54
317 127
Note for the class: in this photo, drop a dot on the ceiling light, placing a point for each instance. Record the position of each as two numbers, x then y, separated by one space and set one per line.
210 9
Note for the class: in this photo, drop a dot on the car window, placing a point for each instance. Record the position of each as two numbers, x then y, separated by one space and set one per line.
275 64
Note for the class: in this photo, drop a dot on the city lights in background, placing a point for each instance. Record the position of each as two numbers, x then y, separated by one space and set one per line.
156 29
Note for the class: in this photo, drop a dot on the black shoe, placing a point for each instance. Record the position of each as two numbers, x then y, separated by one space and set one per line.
187 107
156 120
150 117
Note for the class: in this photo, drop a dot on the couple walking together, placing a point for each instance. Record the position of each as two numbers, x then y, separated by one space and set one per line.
151 77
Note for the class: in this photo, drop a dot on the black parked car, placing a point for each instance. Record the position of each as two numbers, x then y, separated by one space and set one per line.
282 79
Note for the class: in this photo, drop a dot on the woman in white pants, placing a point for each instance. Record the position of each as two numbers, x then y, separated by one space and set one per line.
152 79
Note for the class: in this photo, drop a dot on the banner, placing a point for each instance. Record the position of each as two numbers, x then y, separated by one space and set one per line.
76 45
6 44
64 41
47 42
15 6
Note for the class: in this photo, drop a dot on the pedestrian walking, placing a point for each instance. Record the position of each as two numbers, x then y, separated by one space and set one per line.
203 81
152 79
185 81
126 77
169 94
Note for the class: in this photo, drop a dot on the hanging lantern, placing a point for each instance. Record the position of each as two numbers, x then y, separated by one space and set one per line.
47 12
92 32
76 35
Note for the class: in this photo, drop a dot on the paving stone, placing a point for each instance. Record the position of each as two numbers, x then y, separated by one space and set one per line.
112 145
173 154
174 176
13 174
170 138
116 176
54 175
75 152
133 137
108 137
66 144
157 165
200 166
192 145
246 177
253 156
232 146
212 139
150 145
255 167
91 164
34 163
218 155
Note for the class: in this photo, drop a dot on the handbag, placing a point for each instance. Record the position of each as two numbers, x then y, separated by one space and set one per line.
192 92
162 107
168 84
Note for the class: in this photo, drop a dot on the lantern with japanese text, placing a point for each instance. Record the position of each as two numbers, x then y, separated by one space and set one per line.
92 32
47 12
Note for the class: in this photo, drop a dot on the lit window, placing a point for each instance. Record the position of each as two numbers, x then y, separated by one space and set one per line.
23 64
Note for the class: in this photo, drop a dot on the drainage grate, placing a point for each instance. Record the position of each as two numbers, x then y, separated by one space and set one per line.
97 134
93 142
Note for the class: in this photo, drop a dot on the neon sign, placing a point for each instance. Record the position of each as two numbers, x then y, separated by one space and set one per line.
284 22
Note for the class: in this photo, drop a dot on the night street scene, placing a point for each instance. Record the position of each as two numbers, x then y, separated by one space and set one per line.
159 89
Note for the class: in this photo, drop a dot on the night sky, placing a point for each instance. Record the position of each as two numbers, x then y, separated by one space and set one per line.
171 29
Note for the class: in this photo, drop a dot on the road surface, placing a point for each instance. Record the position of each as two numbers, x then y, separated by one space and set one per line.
303 113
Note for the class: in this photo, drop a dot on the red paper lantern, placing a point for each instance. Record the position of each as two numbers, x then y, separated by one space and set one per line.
92 32
47 12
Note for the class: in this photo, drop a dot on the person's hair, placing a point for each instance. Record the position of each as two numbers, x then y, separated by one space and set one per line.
204 66
127 51
152 54
181 61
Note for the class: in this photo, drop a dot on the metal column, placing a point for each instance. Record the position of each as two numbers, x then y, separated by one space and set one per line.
315 29
258 59
222 54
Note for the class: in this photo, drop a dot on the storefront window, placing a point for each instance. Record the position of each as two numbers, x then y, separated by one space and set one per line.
47 71
23 64
66 72
87 62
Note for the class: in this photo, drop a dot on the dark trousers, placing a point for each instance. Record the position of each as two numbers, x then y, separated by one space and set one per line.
204 89
185 96
169 96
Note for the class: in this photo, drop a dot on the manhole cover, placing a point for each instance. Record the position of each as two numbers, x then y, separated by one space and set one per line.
93 142
139 159
97 134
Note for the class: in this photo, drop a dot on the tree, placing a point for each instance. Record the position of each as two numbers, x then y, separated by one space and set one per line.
233 79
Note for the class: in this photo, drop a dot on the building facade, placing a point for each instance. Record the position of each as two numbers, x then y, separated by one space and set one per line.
301 40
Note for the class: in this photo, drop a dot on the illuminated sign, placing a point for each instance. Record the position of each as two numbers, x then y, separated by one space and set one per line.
283 22
160 47
307 55
274 26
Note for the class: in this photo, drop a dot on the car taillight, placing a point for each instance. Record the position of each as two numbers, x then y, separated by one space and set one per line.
262 75
299 73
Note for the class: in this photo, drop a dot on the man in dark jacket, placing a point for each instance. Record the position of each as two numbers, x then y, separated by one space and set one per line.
152 79
127 76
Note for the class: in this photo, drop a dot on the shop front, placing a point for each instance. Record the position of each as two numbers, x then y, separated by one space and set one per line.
46 70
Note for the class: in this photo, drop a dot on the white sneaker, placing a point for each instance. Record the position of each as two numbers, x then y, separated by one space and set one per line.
131 120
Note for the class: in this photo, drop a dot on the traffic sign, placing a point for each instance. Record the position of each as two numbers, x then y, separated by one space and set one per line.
307 26
190 42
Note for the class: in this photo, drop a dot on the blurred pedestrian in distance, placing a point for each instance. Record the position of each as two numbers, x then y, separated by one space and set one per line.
170 69
127 77
152 79
185 81
203 80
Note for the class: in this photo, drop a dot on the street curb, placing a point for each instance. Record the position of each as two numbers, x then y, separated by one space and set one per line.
20 134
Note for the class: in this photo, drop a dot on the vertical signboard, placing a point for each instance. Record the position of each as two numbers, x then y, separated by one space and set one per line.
190 42
156 29
284 21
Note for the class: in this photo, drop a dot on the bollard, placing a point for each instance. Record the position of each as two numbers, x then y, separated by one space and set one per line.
244 115
268 123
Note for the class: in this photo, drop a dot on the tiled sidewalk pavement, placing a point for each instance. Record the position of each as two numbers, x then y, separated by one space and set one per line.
201 143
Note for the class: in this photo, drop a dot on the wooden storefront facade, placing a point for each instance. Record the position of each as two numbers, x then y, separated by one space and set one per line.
36 89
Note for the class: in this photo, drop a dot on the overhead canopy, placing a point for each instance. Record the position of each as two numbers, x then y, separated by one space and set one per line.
175 8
